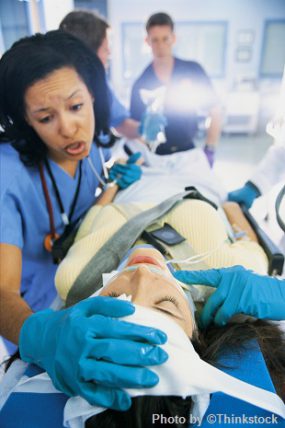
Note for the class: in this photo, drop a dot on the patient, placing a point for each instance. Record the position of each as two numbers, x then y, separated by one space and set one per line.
207 242
237 349
146 279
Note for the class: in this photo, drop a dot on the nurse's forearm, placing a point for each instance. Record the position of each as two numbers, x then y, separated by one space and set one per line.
13 312
107 196
129 129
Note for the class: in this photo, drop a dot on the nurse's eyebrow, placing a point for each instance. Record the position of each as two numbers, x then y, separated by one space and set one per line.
43 109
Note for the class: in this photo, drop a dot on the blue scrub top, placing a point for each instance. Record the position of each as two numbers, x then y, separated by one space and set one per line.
118 112
24 219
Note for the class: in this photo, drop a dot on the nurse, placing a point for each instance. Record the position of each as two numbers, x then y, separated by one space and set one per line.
53 106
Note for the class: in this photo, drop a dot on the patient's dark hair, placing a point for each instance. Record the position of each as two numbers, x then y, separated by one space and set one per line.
31 59
213 343
87 26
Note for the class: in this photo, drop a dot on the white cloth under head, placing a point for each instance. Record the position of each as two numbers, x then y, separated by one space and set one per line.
183 374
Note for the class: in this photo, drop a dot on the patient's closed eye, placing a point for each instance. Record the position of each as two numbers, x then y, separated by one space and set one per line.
168 299
169 305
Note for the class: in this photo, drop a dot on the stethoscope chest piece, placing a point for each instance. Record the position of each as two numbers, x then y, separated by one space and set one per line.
49 240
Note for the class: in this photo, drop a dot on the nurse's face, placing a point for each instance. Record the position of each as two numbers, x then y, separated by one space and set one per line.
153 289
104 51
59 108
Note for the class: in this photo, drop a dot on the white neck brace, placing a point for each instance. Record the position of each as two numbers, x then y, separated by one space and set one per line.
183 374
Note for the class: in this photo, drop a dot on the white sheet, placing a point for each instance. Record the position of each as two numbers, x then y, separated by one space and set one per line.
168 175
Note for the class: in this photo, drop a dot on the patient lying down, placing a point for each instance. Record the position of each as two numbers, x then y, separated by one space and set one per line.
192 376
203 227
145 279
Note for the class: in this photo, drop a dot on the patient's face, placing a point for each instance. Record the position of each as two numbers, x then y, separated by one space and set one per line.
153 289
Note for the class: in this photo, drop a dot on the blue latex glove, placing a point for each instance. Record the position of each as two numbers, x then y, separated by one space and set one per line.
210 153
245 195
126 174
88 352
238 291
151 124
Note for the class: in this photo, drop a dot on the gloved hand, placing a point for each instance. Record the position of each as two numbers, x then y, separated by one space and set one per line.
87 352
151 124
210 153
245 195
126 174
238 291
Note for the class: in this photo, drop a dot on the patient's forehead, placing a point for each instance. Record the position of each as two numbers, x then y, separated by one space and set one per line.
154 291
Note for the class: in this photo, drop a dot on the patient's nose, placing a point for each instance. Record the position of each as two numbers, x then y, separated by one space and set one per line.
141 286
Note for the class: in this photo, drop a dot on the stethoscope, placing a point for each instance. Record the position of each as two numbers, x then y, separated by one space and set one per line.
51 237
102 141
105 140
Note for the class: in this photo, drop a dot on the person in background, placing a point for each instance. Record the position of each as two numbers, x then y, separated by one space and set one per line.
188 91
269 172
92 29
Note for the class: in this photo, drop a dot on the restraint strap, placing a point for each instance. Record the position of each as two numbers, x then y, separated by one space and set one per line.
180 251
110 255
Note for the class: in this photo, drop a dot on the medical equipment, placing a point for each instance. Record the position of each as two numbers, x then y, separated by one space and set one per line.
280 198
153 116
66 218
105 140
104 168
167 234
199 257
127 150
110 277
53 242
274 255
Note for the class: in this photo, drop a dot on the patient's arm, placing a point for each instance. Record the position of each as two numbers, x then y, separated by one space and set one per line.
238 221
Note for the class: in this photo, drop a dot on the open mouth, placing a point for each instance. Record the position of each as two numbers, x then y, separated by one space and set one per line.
75 148
144 259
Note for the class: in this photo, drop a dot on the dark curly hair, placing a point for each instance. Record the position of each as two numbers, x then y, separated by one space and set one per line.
31 59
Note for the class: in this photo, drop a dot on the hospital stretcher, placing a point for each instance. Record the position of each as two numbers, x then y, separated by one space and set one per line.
274 255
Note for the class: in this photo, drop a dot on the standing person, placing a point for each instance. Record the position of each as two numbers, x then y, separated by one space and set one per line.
269 172
188 89
52 107
92 29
